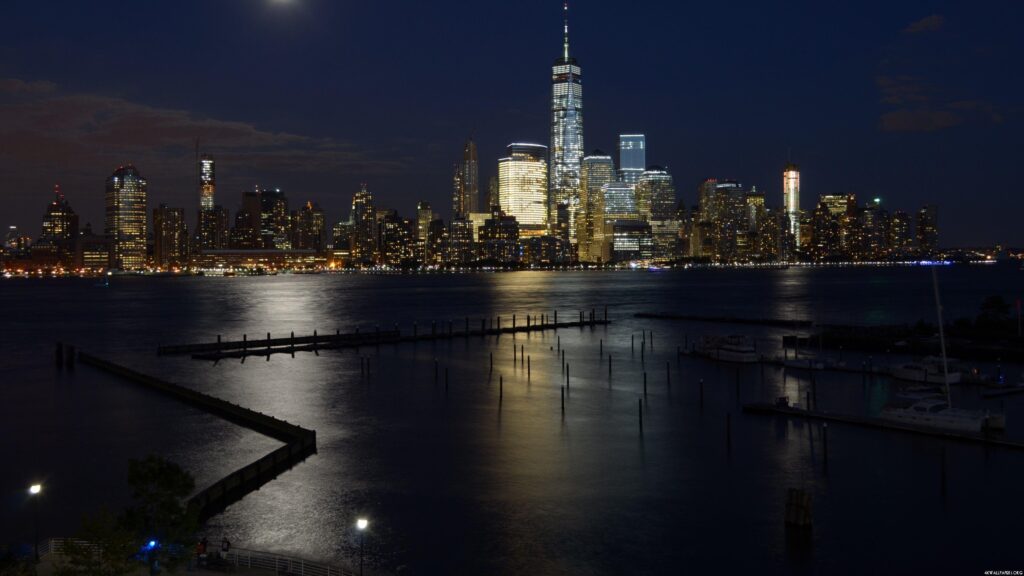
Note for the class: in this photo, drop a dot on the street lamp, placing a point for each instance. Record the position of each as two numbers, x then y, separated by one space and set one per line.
361 524
33 492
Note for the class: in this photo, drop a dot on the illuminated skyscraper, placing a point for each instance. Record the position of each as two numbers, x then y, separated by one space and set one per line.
126 218
274 219
632 157
60 230
655 195
310 228
523 185
566 131
791 200
364 226
466 182
619 201
927 230
424 216
207 182
598 170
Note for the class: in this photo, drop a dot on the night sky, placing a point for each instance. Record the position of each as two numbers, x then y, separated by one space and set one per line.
911 101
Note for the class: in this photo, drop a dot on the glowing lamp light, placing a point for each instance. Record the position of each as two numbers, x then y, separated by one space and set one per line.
362 523
35 489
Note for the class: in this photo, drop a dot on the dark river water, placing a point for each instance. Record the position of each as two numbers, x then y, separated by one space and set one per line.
482 482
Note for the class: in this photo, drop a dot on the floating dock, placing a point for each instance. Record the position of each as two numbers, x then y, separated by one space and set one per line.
790 411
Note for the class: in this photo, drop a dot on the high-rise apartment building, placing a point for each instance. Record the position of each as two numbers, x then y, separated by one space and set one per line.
466 182
364 224
310 228
566 131
424 216
125 221
927 231
170 237
523 185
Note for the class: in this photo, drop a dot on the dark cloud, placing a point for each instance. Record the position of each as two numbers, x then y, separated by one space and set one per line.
918 120
900 90
932 23
41 126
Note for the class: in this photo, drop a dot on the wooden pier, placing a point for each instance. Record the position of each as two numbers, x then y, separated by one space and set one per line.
782 322
289 345
299 442
772 409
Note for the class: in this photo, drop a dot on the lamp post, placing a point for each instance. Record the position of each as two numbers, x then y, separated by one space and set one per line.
33 492
361 524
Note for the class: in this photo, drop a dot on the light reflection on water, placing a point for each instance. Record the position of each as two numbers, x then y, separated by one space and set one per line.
465 483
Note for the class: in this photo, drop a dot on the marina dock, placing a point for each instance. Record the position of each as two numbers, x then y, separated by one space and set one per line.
793 412
316 342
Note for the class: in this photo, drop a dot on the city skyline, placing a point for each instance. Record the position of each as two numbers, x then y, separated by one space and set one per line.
427 176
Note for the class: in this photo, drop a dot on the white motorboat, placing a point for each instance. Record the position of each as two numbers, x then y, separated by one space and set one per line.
730 349
926 371
934 412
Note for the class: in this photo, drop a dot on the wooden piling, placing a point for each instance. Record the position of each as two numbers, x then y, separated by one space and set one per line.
824 438
563 401
728 430
640 411
566 375
492 361
600 350
527 367
69 360
645 383
609 365
501 388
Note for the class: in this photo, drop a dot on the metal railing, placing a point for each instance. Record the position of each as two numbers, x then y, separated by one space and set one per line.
283 565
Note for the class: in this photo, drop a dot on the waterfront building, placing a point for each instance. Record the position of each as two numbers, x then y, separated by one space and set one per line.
566 134
437 238
125 218
900 239
93 250
170 237
310 228
499 239
57 243
364 226
466 181
395 240
424 216
630 241
791 200
598 169
523 185
927 231
632 157
546 250
275 221
214 230
461 246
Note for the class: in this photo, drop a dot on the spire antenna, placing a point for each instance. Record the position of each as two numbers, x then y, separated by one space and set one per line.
565 30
